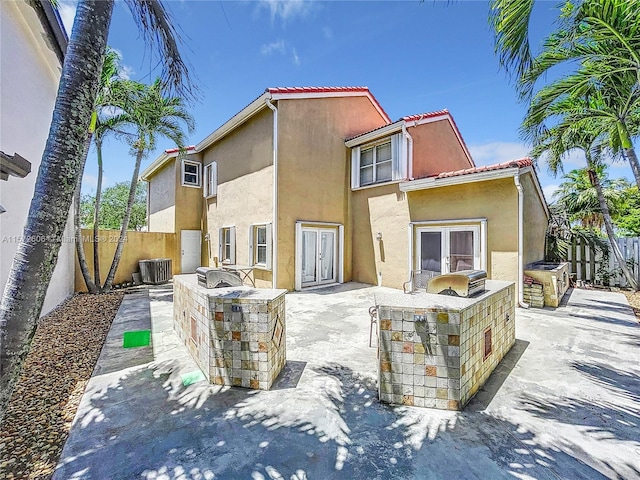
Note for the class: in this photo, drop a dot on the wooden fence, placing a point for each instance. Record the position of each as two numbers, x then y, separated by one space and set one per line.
588 266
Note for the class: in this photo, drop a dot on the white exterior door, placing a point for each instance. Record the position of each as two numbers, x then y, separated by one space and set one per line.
447 249
318 256
190 250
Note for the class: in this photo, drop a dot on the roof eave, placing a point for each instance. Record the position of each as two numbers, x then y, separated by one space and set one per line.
433 182
375 134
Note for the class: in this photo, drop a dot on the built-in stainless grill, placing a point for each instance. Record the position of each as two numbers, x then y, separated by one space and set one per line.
216 278
464 283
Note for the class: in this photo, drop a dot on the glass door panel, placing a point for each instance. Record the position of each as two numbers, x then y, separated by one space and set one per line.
461 251
327 256
430 252
309 257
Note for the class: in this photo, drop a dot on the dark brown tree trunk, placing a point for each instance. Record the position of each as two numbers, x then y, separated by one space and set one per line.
61 165
96 216
608 225
82 259
108 283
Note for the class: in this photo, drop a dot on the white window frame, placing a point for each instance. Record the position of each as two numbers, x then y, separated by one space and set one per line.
222 244
375 164
253 246
399 161
211 180
478 225
198 176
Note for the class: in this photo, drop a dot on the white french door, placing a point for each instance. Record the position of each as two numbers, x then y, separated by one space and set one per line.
447 249
319 260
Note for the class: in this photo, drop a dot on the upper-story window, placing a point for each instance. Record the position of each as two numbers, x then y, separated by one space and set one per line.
379 162
211 179
190 173
375 164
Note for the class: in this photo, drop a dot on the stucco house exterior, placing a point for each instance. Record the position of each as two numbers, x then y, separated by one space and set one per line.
314 186
34 42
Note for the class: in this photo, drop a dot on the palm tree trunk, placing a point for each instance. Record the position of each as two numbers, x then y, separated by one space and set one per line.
82 259
125 224
608 225
630 153
60 167
96 216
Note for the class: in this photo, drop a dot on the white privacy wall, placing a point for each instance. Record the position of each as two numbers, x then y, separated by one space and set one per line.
29 75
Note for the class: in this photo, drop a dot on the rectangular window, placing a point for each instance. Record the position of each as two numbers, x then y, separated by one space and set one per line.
375 164
384 161
190 173
227 245
260 245
211 179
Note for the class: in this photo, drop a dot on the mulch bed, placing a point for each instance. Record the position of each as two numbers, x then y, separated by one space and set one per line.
63 353
634 301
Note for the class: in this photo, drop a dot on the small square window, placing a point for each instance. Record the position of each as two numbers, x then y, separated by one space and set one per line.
190 173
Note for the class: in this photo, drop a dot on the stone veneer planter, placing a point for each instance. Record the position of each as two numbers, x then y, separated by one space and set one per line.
437 351
236 335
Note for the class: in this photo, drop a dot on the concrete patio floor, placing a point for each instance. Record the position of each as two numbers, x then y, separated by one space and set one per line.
564 403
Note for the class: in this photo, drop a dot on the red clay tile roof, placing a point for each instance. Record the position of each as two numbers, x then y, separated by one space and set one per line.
174 150
523 162
437 113
302 90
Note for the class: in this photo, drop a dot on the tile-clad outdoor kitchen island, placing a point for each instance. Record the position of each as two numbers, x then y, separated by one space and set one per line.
236 335
437 350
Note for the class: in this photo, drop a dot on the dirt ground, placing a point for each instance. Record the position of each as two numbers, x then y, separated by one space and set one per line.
63 353
634 301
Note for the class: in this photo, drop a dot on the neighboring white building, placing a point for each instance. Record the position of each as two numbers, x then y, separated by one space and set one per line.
33 44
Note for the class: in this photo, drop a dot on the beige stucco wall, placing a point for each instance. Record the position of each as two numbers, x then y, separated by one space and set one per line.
245 188
314 169
29 75
436 149
535 221
387 210
161 200
138 246
189 202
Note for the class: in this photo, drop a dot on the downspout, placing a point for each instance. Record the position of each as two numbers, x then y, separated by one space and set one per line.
410 152
516 179
274 226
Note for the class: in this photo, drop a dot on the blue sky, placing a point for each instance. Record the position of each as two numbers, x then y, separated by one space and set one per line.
414 57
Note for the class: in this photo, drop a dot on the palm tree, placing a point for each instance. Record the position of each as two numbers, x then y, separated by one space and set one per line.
579 198
61 166
110 72
556 143
612 109
152 114
606 32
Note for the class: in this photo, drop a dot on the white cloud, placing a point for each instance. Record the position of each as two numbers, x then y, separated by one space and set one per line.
286 9
497 152
548 191
296 58
269 48
67 10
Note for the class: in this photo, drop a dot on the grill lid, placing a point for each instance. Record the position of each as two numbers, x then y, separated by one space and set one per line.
463 283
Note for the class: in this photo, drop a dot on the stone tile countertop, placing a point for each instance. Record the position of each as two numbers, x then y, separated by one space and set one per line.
242 292
435 301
